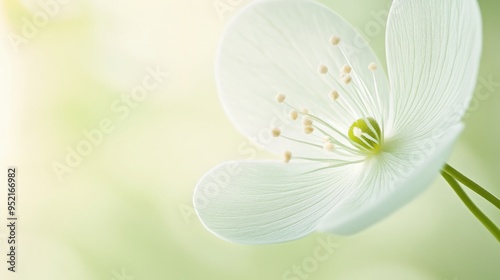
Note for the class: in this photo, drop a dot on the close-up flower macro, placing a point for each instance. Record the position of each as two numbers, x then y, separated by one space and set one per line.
250 139
359 143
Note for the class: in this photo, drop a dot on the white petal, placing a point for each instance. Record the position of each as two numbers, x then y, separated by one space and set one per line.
265 202
268 202
433 53
394 180
276 47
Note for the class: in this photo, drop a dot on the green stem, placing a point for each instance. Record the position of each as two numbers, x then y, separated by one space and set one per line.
471 185
472 207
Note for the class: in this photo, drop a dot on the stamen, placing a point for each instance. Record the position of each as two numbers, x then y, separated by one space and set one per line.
348 112
328 126
363 137
346 69
329 138
328 160
375 84
362 94
322 69
287 156
328 147
372 67
308 129
307 121
335 40
280 98
347 79
354 72
276 132
334 95
302 142
349 108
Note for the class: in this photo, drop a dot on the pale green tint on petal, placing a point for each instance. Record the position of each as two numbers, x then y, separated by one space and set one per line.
269 202
433 53
394 179
275 47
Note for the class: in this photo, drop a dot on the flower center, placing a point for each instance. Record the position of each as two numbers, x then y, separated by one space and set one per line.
366 133
351 97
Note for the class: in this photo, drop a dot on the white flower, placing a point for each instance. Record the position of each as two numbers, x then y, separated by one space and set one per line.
366 144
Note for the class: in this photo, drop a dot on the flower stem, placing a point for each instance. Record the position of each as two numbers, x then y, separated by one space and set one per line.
472 207
471 185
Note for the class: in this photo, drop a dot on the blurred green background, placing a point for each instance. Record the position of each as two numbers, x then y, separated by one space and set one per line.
123 211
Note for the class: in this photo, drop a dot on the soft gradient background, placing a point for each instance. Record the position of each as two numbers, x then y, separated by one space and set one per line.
124 212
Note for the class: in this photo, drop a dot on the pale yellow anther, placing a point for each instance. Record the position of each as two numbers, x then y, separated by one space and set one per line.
280 98
305 111
308 129
294 115
276 132
346 69
335 40
322 69
358 132
328 147
372 67
287 156
334 95
347 79
307 121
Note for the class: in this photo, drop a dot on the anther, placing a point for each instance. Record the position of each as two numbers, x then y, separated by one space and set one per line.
335 40
305 111
346 69
372 67
287 156
307 122
322 69
276 132
308 129
334 95
346 79
294 115
328 147
280 98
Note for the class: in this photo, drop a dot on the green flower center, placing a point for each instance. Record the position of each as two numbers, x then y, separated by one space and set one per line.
366 134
